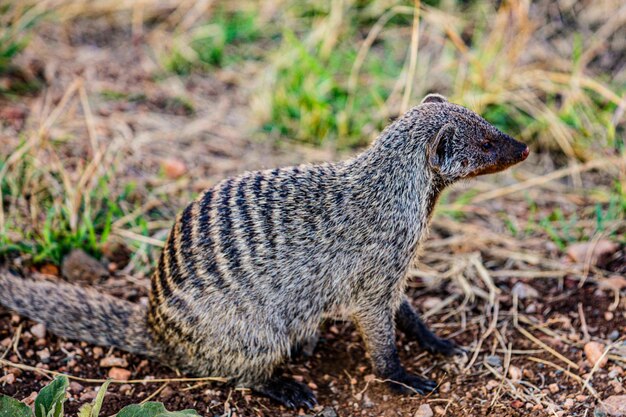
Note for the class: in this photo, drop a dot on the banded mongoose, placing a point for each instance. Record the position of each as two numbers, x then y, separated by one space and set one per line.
252 265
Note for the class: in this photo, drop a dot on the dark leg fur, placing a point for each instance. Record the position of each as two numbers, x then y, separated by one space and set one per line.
410 323
288 392
306 347
378 331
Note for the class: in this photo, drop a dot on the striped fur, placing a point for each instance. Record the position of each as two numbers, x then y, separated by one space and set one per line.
252 265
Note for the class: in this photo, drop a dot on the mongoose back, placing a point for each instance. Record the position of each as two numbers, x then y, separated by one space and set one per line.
252 265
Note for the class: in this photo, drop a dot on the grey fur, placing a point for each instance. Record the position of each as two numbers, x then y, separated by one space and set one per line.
253 264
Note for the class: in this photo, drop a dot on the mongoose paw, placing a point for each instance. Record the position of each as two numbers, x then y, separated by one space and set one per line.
446 347
408 384
288 392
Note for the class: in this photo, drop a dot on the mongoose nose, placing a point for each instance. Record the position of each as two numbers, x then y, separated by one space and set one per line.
525 153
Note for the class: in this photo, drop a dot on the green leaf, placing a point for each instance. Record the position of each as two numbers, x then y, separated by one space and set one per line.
85 410
149 409
10 407
152 409
49 402
97 403
93 409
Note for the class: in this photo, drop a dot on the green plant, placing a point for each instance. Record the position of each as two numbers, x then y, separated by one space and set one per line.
15 23
49 403
61 233
44 214
310 98
215 43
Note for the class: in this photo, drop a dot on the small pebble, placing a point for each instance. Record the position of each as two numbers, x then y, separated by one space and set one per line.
44 355
125 388
327 412
119 374
524 291
38 330
367 402
76 388
167 393
173 168
494 360
614 405
49 269
595 252
517 404
515 373
445 387
615 371
424 410
30 400
79 266
88 395
617 387
97 352
430 303
554 388
568 403
593 352
491 384
111 361
8 379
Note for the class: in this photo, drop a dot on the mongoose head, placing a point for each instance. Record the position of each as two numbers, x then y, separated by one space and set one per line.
464 145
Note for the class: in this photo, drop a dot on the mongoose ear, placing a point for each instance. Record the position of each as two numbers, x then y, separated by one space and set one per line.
434 98
437 147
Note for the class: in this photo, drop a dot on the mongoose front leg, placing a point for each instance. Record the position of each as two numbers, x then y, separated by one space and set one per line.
409 323
378 332
288 392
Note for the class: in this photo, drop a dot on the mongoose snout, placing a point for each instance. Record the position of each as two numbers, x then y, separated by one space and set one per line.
252 266
504 151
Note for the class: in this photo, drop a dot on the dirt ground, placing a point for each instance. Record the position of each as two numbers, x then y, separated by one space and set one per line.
525 347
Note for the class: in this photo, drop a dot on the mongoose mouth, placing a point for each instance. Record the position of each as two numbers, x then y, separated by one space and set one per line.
502 164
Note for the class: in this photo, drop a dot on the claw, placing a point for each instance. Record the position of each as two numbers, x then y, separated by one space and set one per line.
444 346
288 392
410 384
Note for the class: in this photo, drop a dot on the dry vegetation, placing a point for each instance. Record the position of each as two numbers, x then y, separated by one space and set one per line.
115 113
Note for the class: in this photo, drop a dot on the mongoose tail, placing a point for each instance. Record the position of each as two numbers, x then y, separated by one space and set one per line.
79 313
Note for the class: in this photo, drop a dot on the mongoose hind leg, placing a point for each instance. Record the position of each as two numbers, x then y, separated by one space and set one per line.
378 331
288 392
409 322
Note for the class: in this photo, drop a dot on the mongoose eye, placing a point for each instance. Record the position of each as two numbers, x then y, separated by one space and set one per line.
486 146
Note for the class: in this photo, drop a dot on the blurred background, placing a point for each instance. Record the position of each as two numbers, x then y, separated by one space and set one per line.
114 114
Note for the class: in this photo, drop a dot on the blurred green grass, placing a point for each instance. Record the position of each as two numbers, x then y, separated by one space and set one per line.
333 74
337 72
